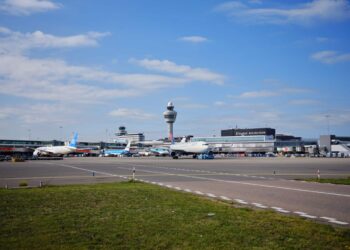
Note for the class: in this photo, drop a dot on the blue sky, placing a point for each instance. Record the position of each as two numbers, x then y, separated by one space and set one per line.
90 66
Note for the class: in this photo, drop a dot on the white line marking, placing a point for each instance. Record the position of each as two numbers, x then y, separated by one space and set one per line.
339 222
308 216
300 213
328 218
283 211
188 190
245 183
225 198
177 188
211 195
241 201
169 186
276 208
198 192
259 205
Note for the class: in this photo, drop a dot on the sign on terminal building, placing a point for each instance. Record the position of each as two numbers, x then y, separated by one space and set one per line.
248 132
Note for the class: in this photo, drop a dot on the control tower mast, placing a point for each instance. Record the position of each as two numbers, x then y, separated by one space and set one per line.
170 117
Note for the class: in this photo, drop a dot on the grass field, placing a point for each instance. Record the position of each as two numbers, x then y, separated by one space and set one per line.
142 216
342 181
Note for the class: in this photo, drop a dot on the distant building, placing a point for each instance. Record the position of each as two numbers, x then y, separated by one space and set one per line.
123 136
248 132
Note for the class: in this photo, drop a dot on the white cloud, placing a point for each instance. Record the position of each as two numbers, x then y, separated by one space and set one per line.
40 113
257 94
136 114
193 39
16 42
27 7
219 103
330 57
193 74
50 79
53 79
308 13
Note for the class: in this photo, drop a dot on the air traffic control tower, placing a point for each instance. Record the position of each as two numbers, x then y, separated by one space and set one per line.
170 117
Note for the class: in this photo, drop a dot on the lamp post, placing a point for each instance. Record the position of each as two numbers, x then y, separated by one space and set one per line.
61 133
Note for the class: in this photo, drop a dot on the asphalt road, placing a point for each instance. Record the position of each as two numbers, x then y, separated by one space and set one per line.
263 183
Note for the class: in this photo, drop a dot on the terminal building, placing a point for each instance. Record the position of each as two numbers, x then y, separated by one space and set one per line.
123 136
242 141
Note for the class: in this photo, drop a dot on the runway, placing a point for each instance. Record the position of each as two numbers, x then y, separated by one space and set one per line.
263 183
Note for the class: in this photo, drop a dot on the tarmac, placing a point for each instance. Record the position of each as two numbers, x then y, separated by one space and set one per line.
261 183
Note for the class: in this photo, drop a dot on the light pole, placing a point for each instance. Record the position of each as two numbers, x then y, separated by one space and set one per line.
61 133
327 117
29 133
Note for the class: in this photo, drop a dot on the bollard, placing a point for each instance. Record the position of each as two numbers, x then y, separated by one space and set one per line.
318 174
274 172
93 173
41 184
133 174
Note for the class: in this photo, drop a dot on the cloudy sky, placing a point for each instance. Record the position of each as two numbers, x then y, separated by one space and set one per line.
90 66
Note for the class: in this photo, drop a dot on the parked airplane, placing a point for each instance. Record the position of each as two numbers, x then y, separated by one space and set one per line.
160 151
58 150
117 152
188 148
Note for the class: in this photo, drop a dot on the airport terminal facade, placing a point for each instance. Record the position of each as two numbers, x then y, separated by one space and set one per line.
243 142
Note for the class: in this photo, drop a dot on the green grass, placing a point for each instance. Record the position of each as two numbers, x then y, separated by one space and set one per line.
342 181
141 216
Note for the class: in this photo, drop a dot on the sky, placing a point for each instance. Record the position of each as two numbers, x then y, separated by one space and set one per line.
91 66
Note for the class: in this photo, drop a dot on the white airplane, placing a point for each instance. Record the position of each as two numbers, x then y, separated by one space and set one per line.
58 150
188 148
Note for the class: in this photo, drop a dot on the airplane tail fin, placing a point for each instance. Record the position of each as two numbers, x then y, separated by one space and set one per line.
73 142
127 148
183 139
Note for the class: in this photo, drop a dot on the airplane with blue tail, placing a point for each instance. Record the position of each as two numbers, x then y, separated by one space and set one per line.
160 151
117 152
58 150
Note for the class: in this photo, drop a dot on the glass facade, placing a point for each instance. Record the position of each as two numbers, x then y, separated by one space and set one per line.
234 139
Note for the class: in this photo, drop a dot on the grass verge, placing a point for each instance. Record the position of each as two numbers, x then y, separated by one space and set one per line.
342 181
142 216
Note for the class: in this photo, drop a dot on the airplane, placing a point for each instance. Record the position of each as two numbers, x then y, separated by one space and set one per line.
160 151
58 150
118 152
188 148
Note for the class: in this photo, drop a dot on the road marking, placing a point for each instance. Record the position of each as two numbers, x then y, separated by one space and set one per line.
169 186
188 190
199 192
308 216
259 205
225 198
241 201
339 222
327 218
248 183
303 214
300 213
